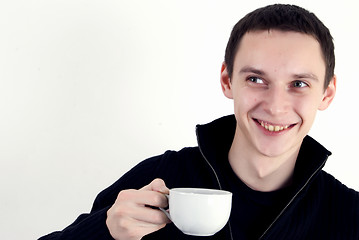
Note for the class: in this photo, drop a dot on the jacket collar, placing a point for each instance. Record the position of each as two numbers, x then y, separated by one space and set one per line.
215 139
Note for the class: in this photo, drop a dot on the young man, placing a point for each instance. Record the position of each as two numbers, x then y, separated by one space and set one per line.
279 70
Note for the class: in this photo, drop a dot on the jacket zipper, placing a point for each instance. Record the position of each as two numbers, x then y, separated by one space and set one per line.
294 197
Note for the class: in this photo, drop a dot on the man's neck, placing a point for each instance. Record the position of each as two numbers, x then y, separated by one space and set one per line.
259 172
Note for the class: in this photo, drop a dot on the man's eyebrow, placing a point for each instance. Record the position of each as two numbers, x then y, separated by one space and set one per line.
248 69
306 75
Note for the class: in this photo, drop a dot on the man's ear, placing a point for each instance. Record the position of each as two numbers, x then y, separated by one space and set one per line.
226 82
329 94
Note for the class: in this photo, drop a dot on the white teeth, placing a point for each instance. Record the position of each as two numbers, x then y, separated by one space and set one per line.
273 128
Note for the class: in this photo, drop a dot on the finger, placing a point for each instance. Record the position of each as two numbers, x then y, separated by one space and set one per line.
140 213
151 198
150 216
157 185
142 198
140 202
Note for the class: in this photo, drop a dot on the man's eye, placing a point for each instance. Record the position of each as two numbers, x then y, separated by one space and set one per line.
255 80
299 84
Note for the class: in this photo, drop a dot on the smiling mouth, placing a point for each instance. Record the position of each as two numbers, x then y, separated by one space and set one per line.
273 127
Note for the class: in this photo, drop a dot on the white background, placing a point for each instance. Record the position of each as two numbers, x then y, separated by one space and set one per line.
88 88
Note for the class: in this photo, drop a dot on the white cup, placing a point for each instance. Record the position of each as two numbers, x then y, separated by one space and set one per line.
199 211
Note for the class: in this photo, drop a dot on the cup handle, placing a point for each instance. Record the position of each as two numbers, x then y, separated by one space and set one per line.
164 210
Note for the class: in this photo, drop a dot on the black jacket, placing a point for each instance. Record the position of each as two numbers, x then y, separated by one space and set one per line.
318 207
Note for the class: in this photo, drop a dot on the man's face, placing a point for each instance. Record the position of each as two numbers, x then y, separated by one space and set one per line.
277 88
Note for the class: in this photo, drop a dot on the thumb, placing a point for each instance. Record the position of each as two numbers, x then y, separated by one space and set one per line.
157 185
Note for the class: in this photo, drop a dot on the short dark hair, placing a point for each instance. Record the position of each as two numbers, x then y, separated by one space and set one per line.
283 17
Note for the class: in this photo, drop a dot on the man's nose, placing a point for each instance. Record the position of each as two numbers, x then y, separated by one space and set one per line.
277 101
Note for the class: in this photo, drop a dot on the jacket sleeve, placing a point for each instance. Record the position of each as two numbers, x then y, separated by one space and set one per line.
86 226
93 225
